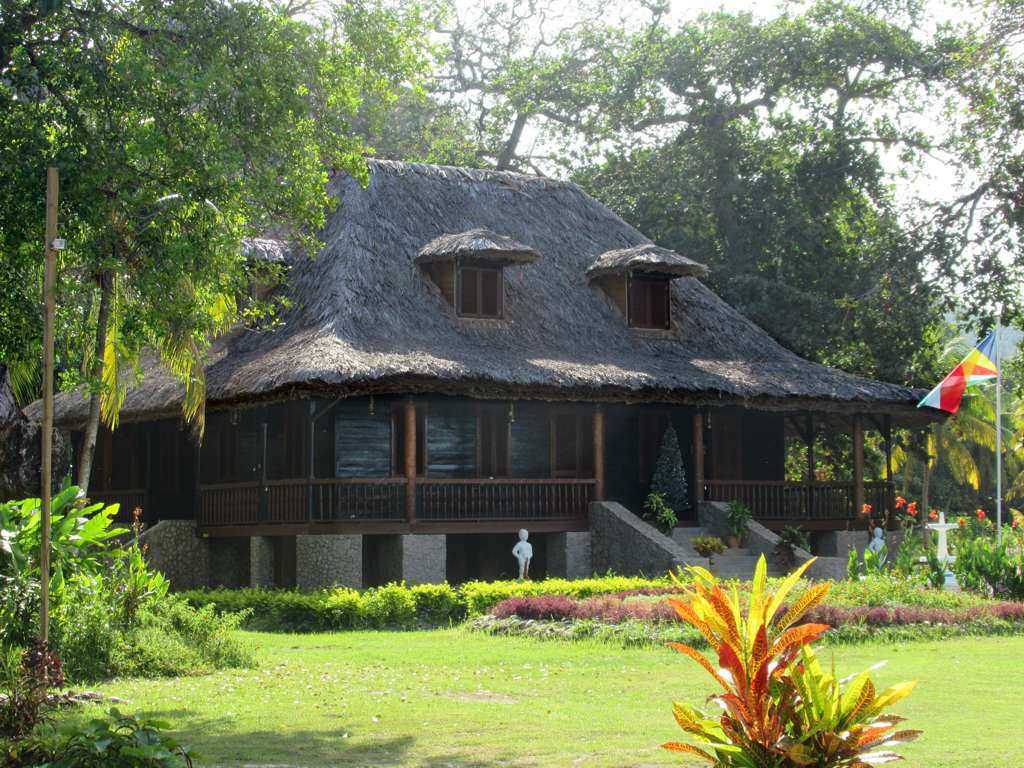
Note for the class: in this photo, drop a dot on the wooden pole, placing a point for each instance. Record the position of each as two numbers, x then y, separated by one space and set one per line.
809 437
599 453
311 498
809 440
410 461
858 464
697 448
46 472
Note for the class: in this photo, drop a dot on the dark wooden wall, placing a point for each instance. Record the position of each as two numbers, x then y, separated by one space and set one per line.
632 444
354 438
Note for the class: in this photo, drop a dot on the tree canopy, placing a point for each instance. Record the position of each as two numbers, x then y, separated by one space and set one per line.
180 128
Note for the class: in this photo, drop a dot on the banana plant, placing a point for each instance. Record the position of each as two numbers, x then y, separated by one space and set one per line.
763 659
80 537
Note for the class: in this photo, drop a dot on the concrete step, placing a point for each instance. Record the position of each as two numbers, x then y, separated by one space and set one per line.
733 566
740 564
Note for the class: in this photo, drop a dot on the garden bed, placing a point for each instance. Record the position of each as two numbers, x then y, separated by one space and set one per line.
398 606
877 608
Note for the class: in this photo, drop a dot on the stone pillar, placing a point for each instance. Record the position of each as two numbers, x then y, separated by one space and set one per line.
323 560
261 562
569 555
174 549
424 558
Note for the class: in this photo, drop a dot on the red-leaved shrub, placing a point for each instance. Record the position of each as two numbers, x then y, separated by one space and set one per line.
615 609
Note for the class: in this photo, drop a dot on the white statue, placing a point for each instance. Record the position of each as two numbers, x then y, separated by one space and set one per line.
942 551
523 552
877 544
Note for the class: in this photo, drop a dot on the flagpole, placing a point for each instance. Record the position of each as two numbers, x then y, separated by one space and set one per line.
999 440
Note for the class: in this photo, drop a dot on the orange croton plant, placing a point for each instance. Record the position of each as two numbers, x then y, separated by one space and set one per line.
779 709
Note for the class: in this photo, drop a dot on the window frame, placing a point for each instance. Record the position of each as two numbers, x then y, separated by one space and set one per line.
583 466
478 271
500 448
649 282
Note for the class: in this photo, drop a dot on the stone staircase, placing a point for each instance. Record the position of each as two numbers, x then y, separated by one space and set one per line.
731 564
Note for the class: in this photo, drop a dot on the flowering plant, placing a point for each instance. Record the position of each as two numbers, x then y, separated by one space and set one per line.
779 707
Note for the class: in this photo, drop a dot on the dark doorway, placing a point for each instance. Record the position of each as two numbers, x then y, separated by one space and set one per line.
284 561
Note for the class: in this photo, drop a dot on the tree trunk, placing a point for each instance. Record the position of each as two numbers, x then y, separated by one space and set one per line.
508 152
93 424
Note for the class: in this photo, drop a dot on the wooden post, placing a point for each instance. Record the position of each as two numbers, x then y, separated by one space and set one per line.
410 461
312 459
197 471
890 494
46 471
858 464
599 453
809 439
264 489
147 515
698 457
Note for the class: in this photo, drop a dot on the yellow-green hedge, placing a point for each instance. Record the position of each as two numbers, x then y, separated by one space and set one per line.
394 605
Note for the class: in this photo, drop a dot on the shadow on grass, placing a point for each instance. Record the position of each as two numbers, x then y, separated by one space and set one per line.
217 742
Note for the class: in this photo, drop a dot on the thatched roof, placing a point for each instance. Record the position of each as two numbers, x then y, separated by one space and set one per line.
364 318
645 258
477 244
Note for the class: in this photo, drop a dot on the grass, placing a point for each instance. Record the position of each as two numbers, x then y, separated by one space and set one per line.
450 698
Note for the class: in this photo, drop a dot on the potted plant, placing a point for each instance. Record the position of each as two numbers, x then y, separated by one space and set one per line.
656 510
738 517
708 546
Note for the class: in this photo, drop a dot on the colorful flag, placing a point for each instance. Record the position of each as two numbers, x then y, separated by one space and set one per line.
974 369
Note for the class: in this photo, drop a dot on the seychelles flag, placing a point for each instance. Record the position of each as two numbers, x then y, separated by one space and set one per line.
976 368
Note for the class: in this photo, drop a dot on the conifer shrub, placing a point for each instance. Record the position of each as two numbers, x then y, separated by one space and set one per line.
669 477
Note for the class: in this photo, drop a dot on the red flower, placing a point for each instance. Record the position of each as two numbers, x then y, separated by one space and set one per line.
900 502
980 513
933 515
912 509
961 521
866 509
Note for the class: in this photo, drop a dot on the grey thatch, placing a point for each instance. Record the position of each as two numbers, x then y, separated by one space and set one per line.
646 257
477 244
364 318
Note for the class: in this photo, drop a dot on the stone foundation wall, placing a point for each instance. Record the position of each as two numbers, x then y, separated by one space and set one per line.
424 558
261 562
569 555
622 542
323 560
173 548
229 562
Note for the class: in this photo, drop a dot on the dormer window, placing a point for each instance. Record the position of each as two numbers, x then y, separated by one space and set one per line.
481 291
638 282
648 302
266 263
468 269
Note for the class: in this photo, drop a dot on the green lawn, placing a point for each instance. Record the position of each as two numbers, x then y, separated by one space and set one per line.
451 698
